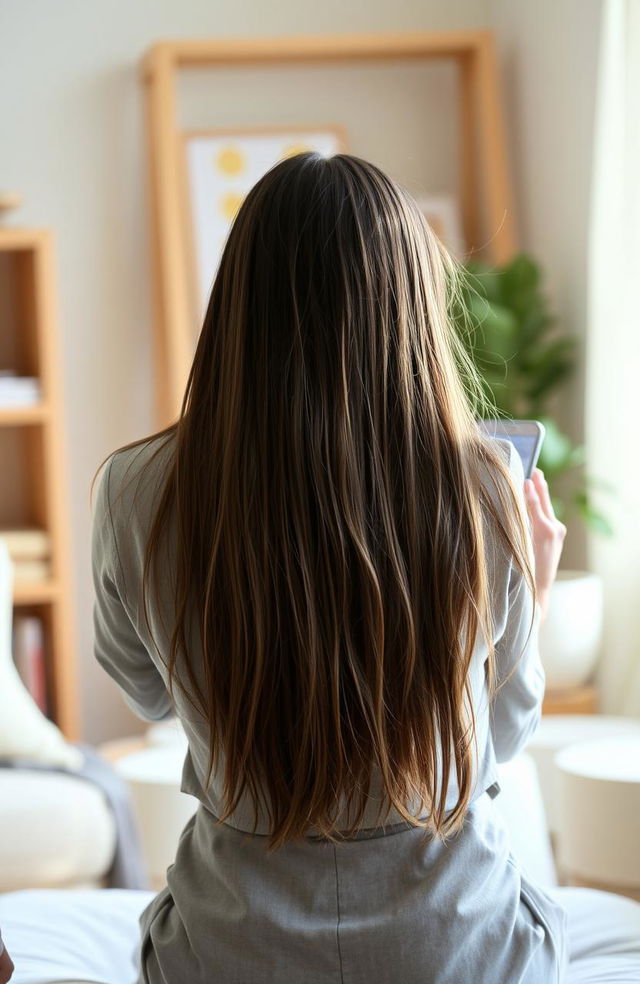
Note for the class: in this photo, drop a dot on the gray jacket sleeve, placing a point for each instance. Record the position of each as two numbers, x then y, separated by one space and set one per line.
118 646
517 706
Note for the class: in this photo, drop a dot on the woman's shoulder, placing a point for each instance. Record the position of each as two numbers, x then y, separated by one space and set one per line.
131 477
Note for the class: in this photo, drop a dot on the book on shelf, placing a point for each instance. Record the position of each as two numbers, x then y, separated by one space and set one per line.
26 545
18 391
29 657
31 571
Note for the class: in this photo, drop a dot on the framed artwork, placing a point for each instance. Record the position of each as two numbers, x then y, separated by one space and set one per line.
443 215
221 166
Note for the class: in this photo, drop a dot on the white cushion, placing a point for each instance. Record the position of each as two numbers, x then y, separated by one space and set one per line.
55 830
25 733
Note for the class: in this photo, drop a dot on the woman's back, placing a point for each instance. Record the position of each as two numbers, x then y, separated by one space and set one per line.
126 504
387 902
330 571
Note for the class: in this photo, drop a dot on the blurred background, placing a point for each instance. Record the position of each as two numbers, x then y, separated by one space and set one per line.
553 254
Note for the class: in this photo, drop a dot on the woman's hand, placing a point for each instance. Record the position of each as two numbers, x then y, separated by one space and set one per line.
547 534
6 966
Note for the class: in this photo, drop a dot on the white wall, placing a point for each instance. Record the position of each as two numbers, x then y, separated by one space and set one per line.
549 52
550 55
614 347
72 145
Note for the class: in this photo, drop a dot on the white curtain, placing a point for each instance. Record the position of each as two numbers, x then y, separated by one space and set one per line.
613 347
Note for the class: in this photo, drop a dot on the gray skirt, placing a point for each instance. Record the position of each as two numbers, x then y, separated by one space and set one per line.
389 905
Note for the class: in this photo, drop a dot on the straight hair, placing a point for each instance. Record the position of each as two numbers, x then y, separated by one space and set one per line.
328 495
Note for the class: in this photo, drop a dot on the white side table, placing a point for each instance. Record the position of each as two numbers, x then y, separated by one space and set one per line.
599 814
161 809
554 733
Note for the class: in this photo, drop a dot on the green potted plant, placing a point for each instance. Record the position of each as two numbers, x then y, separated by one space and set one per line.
503 319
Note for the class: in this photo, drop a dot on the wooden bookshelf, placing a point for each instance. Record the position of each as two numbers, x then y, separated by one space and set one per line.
33 487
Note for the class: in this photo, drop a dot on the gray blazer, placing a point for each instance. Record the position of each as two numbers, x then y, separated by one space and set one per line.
390 904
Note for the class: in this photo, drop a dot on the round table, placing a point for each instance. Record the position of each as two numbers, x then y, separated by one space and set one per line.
557 731
153 776
599 813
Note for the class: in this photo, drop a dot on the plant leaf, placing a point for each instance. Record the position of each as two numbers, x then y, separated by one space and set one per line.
502 317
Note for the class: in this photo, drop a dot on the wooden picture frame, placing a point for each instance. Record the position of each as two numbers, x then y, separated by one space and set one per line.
205 231
485 192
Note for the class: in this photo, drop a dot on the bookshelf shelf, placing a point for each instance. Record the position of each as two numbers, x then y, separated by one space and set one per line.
33 487
15 416
34 593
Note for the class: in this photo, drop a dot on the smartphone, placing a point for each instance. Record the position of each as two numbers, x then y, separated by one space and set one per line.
525 435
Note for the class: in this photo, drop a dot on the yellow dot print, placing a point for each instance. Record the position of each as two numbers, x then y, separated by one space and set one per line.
295 148
230 203
230 160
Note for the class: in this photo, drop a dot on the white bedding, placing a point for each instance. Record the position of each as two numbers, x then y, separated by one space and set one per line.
56 936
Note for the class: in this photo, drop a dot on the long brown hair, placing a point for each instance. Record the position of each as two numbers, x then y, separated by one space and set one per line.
327 495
